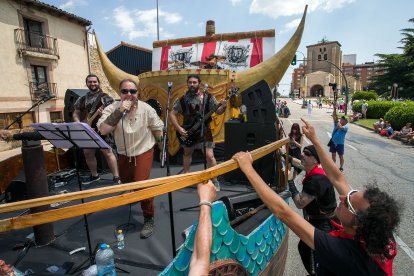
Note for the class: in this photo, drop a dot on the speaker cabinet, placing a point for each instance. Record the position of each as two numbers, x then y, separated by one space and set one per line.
259 104
71 96
249 136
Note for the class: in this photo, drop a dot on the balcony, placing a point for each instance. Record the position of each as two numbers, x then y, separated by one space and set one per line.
41 90
36 45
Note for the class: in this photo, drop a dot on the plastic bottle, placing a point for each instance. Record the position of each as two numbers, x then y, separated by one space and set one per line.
120 239
105 261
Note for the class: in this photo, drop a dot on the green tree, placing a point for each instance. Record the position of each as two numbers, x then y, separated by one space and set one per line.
398 68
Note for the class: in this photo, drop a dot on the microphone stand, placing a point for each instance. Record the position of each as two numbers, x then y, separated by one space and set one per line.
19 118
202 125
165 160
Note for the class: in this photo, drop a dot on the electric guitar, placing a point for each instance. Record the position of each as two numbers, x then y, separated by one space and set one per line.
105 100
194 129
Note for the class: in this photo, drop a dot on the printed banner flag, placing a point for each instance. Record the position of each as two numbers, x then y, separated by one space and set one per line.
235 55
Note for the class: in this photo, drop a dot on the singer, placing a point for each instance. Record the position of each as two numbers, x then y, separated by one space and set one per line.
190 107
91 106
137 128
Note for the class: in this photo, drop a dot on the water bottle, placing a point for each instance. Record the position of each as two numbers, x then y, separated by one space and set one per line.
105 261
120 239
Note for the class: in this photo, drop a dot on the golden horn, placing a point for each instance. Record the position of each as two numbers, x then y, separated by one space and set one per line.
273 69
113 73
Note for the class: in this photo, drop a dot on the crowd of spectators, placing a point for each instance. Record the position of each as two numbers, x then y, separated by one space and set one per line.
384 128
282 110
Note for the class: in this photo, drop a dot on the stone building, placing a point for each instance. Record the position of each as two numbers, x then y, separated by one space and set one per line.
44 52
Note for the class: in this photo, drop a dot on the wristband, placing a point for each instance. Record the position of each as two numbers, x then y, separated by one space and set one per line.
205 203
114 118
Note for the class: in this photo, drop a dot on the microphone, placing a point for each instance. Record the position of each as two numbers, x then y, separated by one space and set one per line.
205 88
126 111
170 84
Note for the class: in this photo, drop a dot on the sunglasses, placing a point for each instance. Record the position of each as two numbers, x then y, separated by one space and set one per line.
347 202
126 91
307 153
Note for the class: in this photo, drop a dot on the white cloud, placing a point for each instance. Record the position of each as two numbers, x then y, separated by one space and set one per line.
279 8
235 2
290 25
68 5
143 23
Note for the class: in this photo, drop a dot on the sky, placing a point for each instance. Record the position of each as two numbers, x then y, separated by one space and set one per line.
362 27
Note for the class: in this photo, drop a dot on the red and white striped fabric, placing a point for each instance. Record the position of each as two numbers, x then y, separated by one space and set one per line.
236 54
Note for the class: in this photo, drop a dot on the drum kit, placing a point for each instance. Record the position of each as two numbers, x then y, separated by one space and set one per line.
210 63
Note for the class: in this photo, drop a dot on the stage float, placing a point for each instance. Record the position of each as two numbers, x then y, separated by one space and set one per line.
264 250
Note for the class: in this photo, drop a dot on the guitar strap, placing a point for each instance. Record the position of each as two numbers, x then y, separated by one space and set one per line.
95 104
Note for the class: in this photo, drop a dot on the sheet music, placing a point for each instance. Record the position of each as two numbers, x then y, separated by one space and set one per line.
66 134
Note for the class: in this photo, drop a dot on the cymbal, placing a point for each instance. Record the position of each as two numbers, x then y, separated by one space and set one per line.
176 62
198 63
215 58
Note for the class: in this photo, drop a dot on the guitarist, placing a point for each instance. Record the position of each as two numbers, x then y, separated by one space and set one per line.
85 107
190 107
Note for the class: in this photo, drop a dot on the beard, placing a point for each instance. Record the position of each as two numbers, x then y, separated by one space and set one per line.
193 89
95 89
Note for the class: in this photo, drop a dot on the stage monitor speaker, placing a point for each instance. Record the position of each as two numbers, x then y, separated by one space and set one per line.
70 98
249 136
259 104
16 191
240 204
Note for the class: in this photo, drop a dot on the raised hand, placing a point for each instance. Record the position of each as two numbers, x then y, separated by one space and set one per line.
309 130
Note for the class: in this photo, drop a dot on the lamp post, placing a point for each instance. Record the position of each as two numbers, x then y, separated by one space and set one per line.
304 58
158 24
395 89
346 83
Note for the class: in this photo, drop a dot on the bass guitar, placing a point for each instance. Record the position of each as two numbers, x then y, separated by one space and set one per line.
106 100
194 129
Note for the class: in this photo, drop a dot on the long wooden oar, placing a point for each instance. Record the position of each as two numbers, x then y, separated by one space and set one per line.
170 184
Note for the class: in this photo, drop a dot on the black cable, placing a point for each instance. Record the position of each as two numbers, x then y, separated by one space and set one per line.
125 225
123 135
24 251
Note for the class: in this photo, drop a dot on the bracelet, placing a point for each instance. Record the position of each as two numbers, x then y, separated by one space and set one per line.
205 203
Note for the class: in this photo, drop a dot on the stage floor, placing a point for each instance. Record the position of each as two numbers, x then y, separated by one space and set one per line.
139 257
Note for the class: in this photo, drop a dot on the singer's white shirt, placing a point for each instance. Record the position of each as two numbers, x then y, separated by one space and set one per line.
137 129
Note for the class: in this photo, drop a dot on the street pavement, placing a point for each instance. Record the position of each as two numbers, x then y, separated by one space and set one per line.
369 159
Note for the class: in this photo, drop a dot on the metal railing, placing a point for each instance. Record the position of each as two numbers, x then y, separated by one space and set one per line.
35 42
43 89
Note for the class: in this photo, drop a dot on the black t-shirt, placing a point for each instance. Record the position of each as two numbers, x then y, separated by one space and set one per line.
341 256
319 186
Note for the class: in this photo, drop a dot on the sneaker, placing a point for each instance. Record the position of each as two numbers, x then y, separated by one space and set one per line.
91 179
341 169
148 228
217 184
117 180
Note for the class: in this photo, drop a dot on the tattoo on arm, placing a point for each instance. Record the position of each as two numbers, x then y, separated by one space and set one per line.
114 118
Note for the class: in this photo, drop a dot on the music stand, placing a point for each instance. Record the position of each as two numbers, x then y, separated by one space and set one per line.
80 136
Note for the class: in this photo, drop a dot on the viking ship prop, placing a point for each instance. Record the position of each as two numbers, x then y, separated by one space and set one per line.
263 250
153 85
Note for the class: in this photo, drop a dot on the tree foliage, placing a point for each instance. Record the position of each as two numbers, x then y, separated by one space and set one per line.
365 95
398 68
